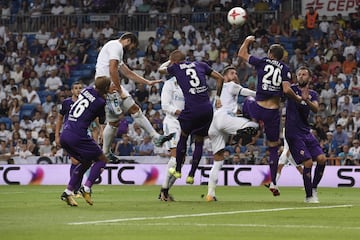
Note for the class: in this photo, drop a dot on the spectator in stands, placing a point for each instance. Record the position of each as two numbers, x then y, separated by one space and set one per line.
128 85
42 35
41 135
4 108
53 82
37 122
68 9
141 95
48 104
17 74
40 67
26 123
346 157
87 30
354 86
5 134
340 137
154 96
146 148
136 133
45 149
187 28
52 42
349 64
15 101
108 31
124 147
31 142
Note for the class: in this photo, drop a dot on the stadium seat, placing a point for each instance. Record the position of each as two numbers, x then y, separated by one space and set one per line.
157 106
7 122
27 109
44 93
259 142
129 119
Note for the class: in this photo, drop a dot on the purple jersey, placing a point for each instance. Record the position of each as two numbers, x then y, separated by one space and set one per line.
191 77
302 143
88 106
297 114
65 107
271 74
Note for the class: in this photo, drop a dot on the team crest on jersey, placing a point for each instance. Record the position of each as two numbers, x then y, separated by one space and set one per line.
302 152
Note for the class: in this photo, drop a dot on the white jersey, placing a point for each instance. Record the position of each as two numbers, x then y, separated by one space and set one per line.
225 122
229 97
113 49
172 99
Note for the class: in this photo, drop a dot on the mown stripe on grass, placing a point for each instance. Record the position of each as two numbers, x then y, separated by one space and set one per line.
205 214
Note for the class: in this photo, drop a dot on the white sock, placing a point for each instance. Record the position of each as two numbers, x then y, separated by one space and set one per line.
108 137
69 192
87 189
172 180
171 164
277 177
213 177
145 124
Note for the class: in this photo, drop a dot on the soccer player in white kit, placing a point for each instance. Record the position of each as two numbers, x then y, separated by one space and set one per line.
172 103
109 62
226 123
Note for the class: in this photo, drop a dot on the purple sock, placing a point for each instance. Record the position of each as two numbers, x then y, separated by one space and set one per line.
180 152
77 176
95 172
72 167
307 181
198 150
319 171
273 162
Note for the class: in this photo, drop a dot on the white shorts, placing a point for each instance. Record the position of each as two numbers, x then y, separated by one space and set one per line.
223 125
115 105
171 125
286 157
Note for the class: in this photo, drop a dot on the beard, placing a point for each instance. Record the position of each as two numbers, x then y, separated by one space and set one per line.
302 84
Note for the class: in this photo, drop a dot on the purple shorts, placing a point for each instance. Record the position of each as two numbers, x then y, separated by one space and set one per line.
303 147
270 118
82 148
196 121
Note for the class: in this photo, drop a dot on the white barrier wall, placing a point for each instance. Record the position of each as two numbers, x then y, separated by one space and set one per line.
153 174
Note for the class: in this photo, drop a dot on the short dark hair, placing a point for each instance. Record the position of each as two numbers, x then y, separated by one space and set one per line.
227 69
277 51
303 67
133 38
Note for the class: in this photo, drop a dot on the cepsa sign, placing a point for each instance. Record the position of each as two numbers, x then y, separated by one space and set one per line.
331 7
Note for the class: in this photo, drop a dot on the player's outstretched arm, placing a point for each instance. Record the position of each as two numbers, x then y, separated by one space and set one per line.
125 70
219 85
244 49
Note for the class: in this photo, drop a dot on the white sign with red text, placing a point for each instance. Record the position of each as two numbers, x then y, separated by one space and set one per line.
154 174
331 7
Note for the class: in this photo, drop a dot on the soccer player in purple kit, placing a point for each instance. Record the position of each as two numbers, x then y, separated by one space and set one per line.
273 80
76 141
303 145
76 88
197 115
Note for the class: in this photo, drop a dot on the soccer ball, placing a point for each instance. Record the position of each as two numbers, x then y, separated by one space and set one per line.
237 16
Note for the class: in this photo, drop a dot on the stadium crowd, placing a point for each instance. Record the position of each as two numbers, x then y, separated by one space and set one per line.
37 71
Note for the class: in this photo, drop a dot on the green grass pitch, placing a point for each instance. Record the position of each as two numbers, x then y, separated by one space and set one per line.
134 212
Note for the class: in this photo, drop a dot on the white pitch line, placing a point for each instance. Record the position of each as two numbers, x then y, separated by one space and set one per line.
245 225
204 214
